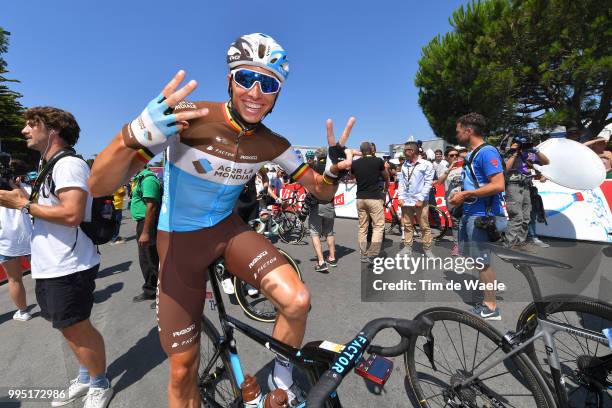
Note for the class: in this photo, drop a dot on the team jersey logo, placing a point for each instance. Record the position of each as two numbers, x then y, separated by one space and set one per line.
494 162
202 166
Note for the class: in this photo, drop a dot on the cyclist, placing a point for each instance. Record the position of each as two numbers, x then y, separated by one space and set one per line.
310 158
213 149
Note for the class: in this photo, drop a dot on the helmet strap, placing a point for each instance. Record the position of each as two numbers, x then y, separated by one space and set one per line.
245 125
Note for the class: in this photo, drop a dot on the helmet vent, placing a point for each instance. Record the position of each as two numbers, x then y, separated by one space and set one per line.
261 50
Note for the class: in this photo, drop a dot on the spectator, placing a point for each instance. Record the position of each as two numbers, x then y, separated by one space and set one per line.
118 197
275 184
65 262
520 159
321 221
247 205
537 211
453 182
483 183
370 200
15 235
144 206
413 195
440 164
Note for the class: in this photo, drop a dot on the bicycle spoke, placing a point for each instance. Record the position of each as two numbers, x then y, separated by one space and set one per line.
453 343
437 363
475 351
429 367
485 359
462 345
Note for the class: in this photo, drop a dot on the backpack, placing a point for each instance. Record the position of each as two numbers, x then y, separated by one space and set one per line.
101 227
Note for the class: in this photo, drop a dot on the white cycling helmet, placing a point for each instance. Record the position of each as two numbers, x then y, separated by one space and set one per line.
259 50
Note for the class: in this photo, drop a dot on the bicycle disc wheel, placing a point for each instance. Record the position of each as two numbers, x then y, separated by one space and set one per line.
464 343
588 380
253 302
291 229
217 385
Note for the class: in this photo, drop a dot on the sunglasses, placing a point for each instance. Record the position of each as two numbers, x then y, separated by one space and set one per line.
453 155
247 79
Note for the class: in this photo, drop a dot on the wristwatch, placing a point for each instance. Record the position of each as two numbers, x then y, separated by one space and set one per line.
26 208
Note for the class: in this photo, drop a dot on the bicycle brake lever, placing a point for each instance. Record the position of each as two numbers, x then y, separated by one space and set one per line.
428 348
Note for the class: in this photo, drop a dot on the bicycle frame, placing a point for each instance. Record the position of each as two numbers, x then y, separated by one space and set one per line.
314 361
546 329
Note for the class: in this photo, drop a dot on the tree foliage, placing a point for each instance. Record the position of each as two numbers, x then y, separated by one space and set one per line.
521 63
11 112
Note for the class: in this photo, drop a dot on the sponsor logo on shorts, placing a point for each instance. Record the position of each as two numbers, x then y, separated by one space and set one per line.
243 157
257 258
184 331
265 264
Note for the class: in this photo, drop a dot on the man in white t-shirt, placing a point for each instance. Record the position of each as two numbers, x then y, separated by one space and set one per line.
15 234
64 260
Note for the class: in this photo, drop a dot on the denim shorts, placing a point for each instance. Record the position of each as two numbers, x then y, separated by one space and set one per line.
474 242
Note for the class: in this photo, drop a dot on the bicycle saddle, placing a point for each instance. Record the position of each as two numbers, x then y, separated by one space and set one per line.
521 258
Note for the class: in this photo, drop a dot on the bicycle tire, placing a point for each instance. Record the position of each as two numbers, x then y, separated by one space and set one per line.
220 373
248 302
291 229
394 224
571 348
533 392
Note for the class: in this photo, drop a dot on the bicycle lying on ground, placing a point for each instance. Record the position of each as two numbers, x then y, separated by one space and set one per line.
220 373
507 370
283 220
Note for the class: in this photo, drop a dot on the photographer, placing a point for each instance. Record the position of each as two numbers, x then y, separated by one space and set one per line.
483 183
15 233
519 160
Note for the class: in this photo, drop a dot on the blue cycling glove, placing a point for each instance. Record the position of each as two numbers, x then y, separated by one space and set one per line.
155 124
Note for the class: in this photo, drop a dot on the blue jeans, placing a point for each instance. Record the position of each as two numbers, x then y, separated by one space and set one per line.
474 242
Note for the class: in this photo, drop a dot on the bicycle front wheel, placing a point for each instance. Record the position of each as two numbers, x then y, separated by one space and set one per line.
290 229
253 302
587 376
463 344
216 381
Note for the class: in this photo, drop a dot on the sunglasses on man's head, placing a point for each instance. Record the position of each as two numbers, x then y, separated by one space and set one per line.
246 79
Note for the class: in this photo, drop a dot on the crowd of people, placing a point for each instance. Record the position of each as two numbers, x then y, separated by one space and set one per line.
218 165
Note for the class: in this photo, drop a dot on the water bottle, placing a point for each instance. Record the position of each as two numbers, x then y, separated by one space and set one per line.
277 399
251 393
107 210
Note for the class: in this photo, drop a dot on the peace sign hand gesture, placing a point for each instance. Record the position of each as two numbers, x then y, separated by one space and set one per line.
339 159
157 122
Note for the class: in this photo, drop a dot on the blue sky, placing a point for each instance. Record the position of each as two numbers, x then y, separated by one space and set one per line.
104 61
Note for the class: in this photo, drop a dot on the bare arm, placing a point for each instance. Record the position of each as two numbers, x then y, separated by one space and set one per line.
149 221
118 161
70 211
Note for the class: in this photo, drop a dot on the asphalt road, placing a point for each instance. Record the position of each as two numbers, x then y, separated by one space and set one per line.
34 355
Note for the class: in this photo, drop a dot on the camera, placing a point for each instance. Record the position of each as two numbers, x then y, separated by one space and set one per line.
487 223
6 172
524 142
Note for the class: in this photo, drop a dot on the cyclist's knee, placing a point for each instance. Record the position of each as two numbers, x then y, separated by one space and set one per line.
183 370
298 307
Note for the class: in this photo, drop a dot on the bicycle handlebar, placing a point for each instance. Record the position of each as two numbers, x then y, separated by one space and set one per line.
347 359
